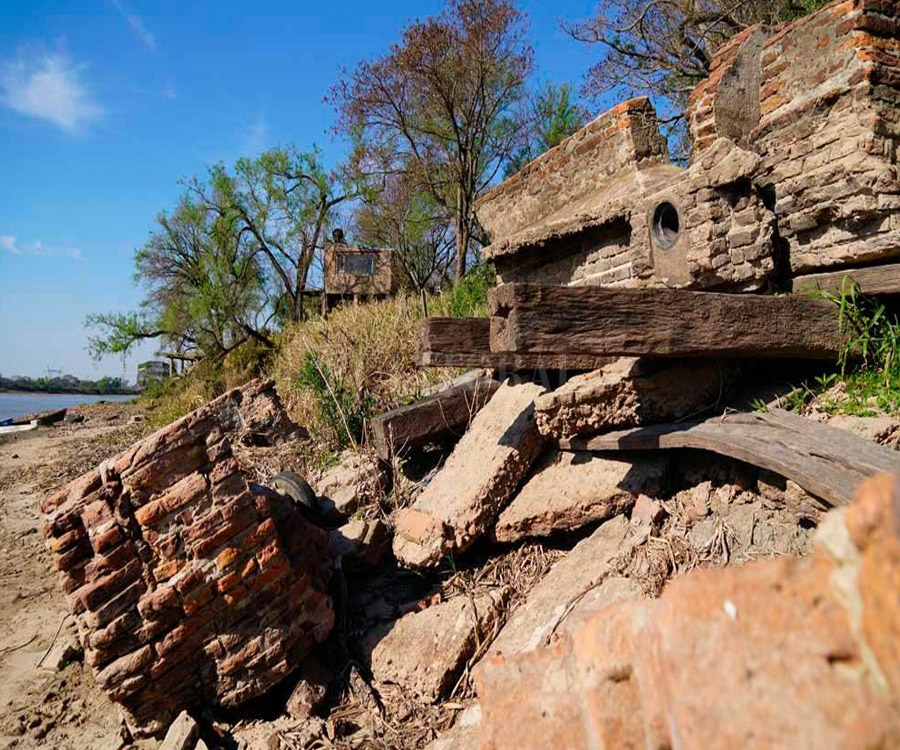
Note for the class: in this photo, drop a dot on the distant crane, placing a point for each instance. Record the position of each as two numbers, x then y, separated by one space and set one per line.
53 373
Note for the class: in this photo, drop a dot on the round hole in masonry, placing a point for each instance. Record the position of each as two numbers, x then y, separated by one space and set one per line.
666 225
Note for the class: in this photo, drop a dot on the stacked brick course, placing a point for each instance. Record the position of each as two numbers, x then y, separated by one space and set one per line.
188 585
829 133
796 135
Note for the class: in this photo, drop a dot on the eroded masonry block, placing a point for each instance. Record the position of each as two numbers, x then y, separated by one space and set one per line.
188 585
796 136
652 673
630 392
425 652
462 501
568 490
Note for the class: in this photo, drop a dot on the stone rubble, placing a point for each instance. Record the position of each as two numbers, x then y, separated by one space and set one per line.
460 504
630 392
567 490
425 652
652 673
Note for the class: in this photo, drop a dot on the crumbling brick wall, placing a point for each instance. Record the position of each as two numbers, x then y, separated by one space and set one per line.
626 137
188 585
828 134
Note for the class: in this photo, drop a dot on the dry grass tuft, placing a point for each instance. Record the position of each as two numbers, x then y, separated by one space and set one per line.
369 350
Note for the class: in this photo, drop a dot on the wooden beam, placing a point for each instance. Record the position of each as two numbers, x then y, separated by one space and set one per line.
443 416
465 342
884 279
825 461
660 322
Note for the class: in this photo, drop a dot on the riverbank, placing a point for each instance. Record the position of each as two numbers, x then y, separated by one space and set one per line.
22 403
39 706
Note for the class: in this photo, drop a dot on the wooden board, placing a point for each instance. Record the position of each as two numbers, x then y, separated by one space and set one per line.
884 279
438 417
531 318
825 461
465 342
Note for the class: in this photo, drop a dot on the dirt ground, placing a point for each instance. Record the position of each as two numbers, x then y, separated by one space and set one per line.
40 707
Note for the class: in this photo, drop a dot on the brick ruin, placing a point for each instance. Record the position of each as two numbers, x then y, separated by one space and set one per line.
793 170
189 585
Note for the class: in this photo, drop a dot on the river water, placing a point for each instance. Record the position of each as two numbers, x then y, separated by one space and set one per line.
20 404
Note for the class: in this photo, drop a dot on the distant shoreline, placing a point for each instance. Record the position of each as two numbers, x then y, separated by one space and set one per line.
7 391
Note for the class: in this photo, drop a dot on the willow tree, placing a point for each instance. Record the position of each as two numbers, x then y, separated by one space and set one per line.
282 203
204 289
442 106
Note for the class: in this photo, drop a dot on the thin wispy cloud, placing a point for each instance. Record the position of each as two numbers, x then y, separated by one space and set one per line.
9 243
48 86
136 25
256 136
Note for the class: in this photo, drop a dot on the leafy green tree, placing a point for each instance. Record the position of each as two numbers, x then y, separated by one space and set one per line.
281 204
204 289
554 117
410 223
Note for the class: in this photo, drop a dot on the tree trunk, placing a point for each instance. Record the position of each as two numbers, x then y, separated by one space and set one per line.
462 233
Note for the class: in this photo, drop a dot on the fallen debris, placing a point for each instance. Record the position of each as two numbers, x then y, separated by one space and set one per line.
630 392
440 417
533 318
462 501
360 542
187 588
644 673
357 479
567 490
465 342
182 734
425 652
825 461
584 580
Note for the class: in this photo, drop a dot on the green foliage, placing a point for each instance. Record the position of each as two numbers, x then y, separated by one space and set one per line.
468 298
343 409
554 118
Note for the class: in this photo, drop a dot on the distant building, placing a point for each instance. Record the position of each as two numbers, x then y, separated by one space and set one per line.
358 273
152 370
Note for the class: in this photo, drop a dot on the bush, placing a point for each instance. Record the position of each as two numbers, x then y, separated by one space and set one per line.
468 298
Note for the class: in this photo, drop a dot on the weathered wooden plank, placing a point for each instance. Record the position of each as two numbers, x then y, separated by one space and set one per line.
438 417
825 461
532 318
465 342
883 279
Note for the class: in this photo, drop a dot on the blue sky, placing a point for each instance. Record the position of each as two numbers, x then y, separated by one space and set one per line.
106 104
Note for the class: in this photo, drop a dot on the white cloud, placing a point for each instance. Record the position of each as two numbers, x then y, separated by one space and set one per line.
170 92
9 243
48 86
136 25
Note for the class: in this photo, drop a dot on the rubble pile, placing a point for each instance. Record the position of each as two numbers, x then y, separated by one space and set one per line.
609 551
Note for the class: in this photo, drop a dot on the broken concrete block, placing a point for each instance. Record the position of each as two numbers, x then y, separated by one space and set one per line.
425 652
570 489
357 480
630 392
651 673
360 542
182 733
463 499
463 735
584 580
309 693
189 587
65 650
